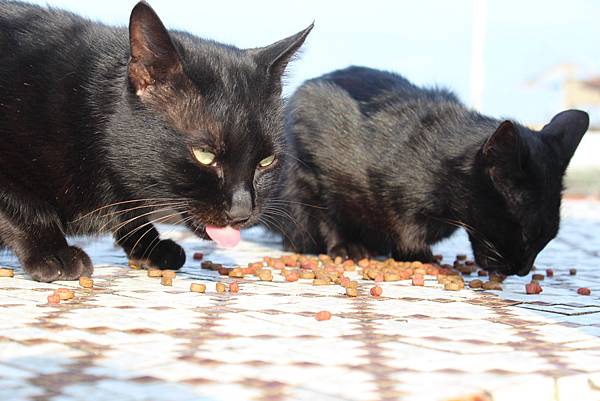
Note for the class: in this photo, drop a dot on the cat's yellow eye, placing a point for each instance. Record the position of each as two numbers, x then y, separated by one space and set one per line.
204 157
267 161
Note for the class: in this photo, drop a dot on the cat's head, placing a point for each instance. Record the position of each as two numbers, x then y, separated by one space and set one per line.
207 121
522 180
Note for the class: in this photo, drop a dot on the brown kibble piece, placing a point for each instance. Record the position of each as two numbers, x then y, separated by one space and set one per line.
353 284
549 273
351 292
207 264
482 273
323 315
198 287
572 272
169 273
220 287
64 294
461 257
307 274
134 265
54 299
452 286
418 280
6 272
475 283
538 277
320 281
376 291
198 256
86 282
166 280
236 273
265 275
492 285
154 273
584 291
391 277
234 287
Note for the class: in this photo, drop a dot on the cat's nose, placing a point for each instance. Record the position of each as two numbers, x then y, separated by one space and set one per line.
241 206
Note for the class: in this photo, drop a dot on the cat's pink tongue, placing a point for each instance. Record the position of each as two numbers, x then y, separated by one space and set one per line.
224 236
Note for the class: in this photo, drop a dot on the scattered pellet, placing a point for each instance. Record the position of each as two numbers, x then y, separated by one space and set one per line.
54 299
353 284
538 277
549 273
207 264
452 286
6 272
572 272
86 282
220 287
164 280
198 287
323 315
533 288
492 285
236 273
351 292
169 273
307 274
391 277
265 275
418 280
584 291
134 265
482 273
234 287
461 257
320 281
475 283
198 256
154 273
376 291
65 294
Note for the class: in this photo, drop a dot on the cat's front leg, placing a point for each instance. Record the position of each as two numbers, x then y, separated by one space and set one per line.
141 242
412 252
43 251
338 245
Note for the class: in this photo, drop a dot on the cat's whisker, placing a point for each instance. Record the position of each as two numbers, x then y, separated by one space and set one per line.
157 240
268 221
286 202
131 220
121 203
149 223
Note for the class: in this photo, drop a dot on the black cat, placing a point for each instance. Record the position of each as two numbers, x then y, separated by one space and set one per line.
385 166
100 127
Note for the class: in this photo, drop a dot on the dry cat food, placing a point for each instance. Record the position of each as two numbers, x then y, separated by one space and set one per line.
584 291
538 277
54 299
475 283
323 315
533 288
492 285
572 272
376 291
220 287
134 265
154 273
197 287
168 273
198 256
351 292
549 273
234 287
86 282
165 280
6 272
265 275
64 294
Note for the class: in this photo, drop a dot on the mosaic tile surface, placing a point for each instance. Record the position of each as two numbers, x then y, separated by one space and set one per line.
129 338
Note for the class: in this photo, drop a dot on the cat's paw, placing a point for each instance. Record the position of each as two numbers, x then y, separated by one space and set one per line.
68 263
165 255
349 250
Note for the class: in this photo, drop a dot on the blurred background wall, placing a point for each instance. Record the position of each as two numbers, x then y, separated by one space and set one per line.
525 60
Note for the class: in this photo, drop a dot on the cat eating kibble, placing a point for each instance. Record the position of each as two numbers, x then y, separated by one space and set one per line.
387 167
104 129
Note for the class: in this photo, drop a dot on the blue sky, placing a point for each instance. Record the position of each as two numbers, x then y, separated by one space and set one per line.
428 41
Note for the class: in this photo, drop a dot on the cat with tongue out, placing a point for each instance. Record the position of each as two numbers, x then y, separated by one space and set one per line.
109 129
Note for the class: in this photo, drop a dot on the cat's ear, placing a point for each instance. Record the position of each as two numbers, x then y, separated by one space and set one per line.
153 55
564 132
274 58
506 155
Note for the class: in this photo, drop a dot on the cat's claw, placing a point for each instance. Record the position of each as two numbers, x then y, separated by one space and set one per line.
68 263
165 255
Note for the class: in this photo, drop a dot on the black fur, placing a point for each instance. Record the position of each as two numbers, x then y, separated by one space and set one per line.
386 167
97 126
